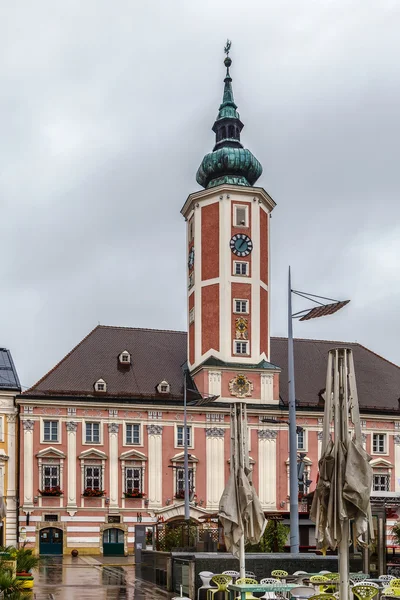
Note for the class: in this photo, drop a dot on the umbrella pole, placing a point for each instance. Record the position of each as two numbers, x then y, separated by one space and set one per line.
344 563
242 569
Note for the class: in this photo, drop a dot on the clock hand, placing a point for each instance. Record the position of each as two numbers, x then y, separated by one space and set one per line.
244 243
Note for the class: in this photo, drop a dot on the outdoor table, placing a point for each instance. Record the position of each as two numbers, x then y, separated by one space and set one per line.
269 587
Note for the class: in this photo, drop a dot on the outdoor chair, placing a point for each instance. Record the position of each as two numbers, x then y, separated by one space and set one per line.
386 578
394 583
270 581
250 574
247 581
365 590
205 577
221 581
302 591
280 574
300 575
233 574
392 592
323 597
358 577
324 572
318 582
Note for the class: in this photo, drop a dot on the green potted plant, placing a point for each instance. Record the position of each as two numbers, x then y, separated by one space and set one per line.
26 562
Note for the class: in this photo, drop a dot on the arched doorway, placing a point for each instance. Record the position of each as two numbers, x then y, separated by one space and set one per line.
113 542
51 541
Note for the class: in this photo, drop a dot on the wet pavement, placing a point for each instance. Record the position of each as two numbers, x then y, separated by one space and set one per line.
90 577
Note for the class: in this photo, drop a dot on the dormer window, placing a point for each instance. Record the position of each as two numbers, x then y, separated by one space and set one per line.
125 358
100 386
163 387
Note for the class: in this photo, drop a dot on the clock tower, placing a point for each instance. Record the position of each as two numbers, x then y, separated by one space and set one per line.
228 268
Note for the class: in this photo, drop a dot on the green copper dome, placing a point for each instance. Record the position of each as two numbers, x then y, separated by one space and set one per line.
229 162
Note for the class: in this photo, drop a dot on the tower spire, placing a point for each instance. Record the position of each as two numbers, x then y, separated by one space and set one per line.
229 162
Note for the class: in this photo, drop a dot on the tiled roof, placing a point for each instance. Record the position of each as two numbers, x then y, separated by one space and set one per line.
159 355
8 374
378 380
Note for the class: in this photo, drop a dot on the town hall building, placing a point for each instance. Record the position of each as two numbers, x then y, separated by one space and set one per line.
102 434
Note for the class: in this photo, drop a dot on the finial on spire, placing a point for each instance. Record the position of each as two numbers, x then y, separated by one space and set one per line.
228 60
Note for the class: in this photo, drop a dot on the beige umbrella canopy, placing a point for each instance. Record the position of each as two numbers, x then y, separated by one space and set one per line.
345 475
240 511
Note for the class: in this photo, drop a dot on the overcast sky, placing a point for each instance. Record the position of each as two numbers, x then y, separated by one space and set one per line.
106 111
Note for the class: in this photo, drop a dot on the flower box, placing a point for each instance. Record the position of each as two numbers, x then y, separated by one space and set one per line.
53 491
134 494
92 493
180 495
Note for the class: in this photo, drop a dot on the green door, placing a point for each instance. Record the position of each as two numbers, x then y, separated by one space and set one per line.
51 541
113 542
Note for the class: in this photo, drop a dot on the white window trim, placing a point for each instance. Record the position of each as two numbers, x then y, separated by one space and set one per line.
241 300
84 442
241 262
385 474
305 437
50 442
386 452
246 208
176 425
125 443
191 316
178 464
247 353
58 461
98 463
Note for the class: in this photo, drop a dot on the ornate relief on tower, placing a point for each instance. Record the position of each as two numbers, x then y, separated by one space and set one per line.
240 386
241 327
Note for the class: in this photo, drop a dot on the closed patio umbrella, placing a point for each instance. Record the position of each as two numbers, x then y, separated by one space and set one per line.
345 475
240 511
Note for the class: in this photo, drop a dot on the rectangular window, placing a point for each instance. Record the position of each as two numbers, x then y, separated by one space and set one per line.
240 215
132 433
240 268
381 483
134 479
93 478
240 306
180 482
93 433
379 443
301 440
241 347
179 435
191 316
191 229
50 476
191 280
71 412
50 431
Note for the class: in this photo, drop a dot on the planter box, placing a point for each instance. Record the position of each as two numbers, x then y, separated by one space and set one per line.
27 579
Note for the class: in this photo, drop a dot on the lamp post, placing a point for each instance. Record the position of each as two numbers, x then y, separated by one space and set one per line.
303 315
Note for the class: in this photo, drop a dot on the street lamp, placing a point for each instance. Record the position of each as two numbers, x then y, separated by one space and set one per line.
321 310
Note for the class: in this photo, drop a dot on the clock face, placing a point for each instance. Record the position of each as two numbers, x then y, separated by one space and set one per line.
241 244
191 259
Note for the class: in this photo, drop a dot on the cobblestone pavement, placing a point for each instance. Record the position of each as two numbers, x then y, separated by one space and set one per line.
89 577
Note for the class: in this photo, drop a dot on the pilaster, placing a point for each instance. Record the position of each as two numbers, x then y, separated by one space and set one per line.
154 433
113 429
396 439
72 427
267 467
10 491
28 426
215 466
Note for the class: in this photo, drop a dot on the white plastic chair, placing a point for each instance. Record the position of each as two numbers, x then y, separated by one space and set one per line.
324 572
302 591
386 578
205 577
234 574
250 574
266 581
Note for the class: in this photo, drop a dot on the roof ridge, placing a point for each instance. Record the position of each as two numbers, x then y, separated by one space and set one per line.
141 329
62 360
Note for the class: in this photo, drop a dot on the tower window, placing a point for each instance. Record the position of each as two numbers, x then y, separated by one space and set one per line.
241 306
191 316
191 230
240 268
240 215
231 131
241 347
